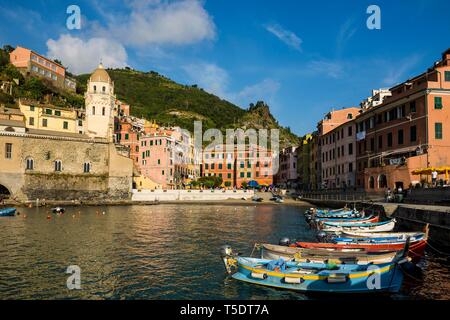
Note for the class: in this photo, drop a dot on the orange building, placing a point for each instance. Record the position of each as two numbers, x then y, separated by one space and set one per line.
234 166
409 130
32 63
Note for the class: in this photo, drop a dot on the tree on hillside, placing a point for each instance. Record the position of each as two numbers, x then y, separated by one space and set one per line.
34 88
11 72
4 58
7 48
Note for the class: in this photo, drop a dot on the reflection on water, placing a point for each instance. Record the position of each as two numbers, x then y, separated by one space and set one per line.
154 252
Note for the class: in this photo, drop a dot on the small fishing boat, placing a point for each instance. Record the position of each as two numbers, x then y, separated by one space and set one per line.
415 237
7 212
392 236
344 219
364 227
58 210
317 277
276 252
397 235
341 215
370 219
416 248
257 199
326 211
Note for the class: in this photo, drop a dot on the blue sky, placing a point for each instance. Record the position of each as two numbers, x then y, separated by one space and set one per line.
303 58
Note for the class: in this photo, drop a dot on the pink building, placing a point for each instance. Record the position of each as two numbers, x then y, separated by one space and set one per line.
337 138
287 175
167 157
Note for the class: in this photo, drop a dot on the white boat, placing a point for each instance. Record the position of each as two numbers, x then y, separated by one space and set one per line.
366 227
397 235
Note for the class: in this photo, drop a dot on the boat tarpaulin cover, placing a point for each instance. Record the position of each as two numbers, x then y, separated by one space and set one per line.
279 264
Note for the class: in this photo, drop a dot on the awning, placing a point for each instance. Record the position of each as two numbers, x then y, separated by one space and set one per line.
428 171
398 151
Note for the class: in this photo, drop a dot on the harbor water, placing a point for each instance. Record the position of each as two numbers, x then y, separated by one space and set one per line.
159 252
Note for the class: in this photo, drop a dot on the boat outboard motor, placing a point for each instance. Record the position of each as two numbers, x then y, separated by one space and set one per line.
226 250
322 236
284 242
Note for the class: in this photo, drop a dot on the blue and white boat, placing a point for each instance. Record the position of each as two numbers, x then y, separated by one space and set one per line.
318 277
7 212
383 238
363 227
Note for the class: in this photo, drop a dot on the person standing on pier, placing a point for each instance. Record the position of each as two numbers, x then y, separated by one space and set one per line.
434 175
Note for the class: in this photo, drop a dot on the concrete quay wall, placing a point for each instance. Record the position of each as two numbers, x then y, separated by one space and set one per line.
190 195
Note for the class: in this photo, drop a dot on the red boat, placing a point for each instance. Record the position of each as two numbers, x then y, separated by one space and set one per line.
416 248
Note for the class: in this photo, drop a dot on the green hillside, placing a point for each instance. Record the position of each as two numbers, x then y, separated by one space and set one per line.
150 95
154 96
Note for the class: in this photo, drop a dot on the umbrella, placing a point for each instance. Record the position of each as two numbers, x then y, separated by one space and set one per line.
253 184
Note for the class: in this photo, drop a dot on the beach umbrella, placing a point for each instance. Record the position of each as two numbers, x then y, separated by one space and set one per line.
253 184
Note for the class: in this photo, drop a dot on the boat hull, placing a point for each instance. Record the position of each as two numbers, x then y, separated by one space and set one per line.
416 249
400 235
390 279
8 212
274 252
368 227
350 220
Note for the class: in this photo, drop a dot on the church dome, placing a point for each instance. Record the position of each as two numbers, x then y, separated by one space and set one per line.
100 75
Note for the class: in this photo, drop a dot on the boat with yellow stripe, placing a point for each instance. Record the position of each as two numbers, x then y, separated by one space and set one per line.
317 277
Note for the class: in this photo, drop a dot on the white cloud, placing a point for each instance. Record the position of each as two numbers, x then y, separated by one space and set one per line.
286 36
215 80
264 90
153 22
398 71
210 77
83 56
346 32
148 26
332 69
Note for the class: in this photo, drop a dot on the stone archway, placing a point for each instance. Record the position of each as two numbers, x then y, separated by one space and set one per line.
4 192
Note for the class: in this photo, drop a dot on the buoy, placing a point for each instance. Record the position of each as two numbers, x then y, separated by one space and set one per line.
104 212
49 217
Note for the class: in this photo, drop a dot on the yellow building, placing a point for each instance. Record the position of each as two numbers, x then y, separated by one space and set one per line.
50 117
144 183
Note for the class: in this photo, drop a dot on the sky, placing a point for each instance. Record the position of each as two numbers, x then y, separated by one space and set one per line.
303 58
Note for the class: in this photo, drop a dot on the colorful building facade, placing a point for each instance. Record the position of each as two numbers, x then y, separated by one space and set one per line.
408 131
238 166
49 117
337 144
32 63
287 175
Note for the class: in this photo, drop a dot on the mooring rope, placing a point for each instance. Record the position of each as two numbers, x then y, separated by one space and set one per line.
437 250
408 274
